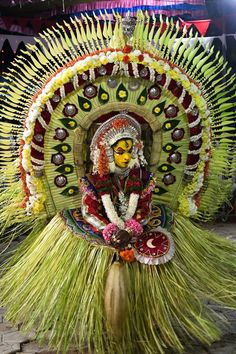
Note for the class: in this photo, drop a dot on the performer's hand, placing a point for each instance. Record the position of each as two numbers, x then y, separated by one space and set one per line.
120 239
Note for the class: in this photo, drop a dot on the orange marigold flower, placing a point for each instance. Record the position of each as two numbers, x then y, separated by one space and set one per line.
127 255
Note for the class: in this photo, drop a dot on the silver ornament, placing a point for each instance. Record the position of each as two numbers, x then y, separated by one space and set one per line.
102 70
133 85
61 133
175 157
128 25
38 173
194 111
197 143
111 82
169 179
60 180
171 111
154 92
84 76
38 138
56 98
159 78
90 91
187 177
144 72
178 134
58 159
70 109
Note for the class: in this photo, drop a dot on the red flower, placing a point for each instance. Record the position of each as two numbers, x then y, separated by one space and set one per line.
126 59
140 57
127 49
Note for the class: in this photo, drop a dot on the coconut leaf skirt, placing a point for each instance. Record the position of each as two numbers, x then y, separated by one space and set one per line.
56 285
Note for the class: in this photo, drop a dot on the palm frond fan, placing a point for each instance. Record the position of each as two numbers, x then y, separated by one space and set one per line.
56 95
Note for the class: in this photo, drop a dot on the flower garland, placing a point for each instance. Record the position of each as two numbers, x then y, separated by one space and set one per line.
112 214
89 63
188 203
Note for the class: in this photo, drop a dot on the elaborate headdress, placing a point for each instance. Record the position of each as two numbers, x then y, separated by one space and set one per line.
119 127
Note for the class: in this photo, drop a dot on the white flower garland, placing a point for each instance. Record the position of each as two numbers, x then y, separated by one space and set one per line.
112 214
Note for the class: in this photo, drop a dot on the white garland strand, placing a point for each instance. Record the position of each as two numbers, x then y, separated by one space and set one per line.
133 203
111 212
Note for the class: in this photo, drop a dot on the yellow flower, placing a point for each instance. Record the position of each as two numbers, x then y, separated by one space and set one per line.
45 98
104 96
157 189
142 99
157 67
64 148
133 58
122 94
157 109
67 169
71 191
164 168
199 102
37 207
71 123
86 105
186 84
83 69
167 125
174 75
104 60
184 206
119 57
168 147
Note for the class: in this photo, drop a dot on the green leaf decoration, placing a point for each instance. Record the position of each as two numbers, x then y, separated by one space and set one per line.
142 99
170 147
69 123
65 169
158 109
159 190
170 124
122 93
103 96
165 168
70 191
84 104
63 148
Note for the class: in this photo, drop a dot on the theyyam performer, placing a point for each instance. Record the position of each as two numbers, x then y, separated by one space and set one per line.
125 134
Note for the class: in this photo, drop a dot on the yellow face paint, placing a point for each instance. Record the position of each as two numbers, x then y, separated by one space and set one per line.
122 152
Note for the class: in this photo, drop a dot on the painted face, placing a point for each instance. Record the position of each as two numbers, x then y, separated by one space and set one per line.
122 152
